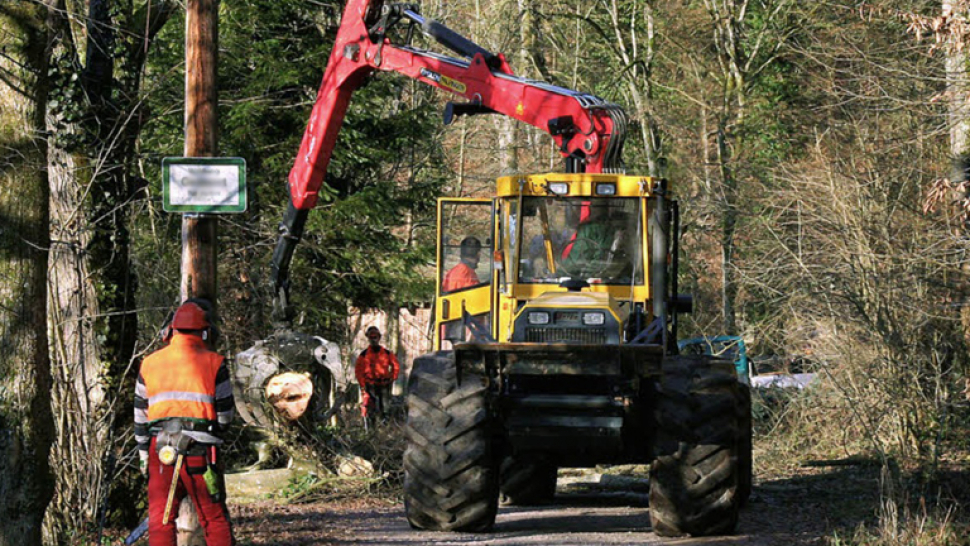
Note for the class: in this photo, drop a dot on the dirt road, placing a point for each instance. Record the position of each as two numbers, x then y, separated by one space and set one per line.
560 524
796 511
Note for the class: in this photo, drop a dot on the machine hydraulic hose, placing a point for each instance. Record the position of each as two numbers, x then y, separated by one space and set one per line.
290 233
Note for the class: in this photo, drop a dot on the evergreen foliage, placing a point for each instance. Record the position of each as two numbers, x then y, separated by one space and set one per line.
373 226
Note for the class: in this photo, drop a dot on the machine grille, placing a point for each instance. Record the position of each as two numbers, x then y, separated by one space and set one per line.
592 336
567 316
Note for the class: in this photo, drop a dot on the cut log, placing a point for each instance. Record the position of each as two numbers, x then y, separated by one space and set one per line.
188 530
278 360
289 393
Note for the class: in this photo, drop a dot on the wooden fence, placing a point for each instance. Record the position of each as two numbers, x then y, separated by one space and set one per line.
406 333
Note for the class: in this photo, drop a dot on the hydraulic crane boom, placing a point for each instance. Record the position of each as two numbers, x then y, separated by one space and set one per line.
588 130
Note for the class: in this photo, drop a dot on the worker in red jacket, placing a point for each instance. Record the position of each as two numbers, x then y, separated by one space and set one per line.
183 402
376 370
464 274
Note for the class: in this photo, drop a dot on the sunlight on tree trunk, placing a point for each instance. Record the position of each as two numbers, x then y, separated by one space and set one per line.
958 95
26 422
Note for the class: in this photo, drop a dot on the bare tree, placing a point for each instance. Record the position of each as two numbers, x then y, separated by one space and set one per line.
858 276
744 49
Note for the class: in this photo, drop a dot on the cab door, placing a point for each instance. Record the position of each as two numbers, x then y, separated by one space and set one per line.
464 269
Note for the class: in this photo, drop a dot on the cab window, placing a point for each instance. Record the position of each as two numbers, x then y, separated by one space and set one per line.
595 239
466 246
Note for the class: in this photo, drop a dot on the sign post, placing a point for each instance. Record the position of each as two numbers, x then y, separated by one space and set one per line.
204 185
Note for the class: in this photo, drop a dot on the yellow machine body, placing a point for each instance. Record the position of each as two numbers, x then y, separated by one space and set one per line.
526 226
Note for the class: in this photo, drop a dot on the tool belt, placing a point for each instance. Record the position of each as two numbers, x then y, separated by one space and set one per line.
169 433
211 427
173 446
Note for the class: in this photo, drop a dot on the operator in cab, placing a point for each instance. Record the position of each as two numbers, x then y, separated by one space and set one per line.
463 275
597 247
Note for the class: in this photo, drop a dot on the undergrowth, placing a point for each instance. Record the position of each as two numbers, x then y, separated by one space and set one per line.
905 527
357 462
917 495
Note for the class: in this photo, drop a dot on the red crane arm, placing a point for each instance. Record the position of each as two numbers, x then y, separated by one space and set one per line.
489 84
589 130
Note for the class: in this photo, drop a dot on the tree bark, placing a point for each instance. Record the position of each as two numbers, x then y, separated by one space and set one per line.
199 233
201 140
958 92
26 422
89 160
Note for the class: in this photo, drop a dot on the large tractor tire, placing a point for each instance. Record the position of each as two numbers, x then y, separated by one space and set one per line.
694 477
745 461
527 481
450 464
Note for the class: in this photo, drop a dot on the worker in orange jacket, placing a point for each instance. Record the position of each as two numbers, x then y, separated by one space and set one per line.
464 275
183 401
376 369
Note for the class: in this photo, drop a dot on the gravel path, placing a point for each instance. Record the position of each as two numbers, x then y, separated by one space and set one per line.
559 524
785 515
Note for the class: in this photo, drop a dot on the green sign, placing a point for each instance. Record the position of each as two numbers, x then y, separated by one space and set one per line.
211 185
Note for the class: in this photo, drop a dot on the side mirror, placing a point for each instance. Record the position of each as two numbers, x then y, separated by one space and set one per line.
681 303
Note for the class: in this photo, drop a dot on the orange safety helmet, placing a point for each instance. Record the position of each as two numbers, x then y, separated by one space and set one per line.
193 314
190 316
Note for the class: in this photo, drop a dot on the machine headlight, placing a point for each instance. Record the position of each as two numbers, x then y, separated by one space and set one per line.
606 189
594 319
559 188
538 317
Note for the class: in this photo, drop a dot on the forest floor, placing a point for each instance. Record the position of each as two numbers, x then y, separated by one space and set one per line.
806 506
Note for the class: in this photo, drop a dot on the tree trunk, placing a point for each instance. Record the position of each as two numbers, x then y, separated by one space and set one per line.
26 423
958 92
92 322
79 393
729 22
637 53
729 222
508 128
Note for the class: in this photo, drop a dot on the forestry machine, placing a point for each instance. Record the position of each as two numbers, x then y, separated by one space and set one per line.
558 348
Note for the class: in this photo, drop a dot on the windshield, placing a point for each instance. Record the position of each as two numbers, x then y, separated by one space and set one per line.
589 238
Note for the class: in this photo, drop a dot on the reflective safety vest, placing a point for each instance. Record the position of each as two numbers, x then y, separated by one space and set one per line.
180 380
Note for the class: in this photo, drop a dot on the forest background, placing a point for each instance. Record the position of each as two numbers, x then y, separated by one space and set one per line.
810 145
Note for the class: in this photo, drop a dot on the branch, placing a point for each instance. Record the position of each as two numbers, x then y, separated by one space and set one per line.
759 41
607 39
15 62
152 17
12 84
147 22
